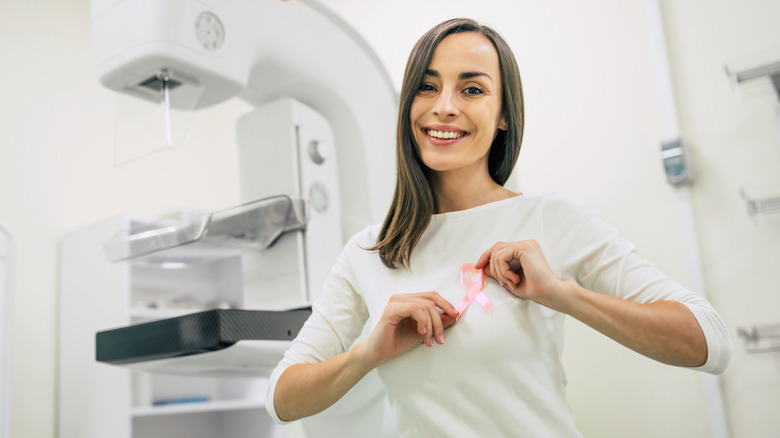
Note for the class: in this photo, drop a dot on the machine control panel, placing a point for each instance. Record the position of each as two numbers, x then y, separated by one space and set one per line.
209 30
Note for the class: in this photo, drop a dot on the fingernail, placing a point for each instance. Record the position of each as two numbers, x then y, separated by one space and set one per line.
441 339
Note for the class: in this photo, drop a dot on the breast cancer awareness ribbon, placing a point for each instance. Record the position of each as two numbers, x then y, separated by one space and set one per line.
473 280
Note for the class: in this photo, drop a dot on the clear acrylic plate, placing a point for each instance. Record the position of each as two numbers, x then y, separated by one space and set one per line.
186 238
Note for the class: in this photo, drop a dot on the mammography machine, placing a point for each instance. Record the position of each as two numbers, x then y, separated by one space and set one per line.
316 154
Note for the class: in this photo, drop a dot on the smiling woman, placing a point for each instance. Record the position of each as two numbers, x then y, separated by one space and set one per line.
538 258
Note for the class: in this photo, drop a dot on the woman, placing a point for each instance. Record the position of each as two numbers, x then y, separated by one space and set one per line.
499 372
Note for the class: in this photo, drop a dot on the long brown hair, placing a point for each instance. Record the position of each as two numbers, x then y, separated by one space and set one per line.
414 201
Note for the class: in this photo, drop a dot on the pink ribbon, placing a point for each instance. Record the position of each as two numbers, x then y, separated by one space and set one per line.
473 280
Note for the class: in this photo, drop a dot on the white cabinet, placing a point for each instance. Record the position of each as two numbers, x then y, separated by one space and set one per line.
97 400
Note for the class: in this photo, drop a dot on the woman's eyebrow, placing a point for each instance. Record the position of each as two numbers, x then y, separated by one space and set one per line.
473 74
462 76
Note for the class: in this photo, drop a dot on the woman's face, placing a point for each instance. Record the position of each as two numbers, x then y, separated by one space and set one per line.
456 112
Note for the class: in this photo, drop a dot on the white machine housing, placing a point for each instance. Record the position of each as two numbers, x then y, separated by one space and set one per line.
295 61
260 51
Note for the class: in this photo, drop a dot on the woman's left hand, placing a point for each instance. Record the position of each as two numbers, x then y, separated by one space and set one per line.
521 268
666 331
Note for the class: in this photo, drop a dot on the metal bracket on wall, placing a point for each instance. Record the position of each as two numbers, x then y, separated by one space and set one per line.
756 206
761 338
771 70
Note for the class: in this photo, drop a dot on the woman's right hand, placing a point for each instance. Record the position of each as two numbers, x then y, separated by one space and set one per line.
407 321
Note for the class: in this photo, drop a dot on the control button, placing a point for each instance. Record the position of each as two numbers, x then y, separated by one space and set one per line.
318 151
318 196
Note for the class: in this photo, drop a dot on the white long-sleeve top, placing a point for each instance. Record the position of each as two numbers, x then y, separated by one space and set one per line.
498 375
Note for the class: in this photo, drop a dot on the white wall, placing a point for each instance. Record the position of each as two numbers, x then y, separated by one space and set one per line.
737 145
592 132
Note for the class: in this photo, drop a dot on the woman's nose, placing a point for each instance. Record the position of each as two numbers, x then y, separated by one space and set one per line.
446 104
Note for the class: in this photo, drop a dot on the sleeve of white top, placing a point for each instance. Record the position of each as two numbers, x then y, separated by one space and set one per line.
584 248
337 319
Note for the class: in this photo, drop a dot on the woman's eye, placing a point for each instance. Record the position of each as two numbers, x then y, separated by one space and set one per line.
426 87
473 91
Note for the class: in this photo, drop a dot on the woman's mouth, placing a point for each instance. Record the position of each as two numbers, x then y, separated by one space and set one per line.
444 134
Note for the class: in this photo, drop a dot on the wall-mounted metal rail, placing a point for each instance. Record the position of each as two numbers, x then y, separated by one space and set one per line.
761 338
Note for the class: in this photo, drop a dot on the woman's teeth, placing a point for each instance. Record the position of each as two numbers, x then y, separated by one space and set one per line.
446 135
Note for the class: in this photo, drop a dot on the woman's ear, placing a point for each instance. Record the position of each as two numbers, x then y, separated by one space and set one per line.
502 124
